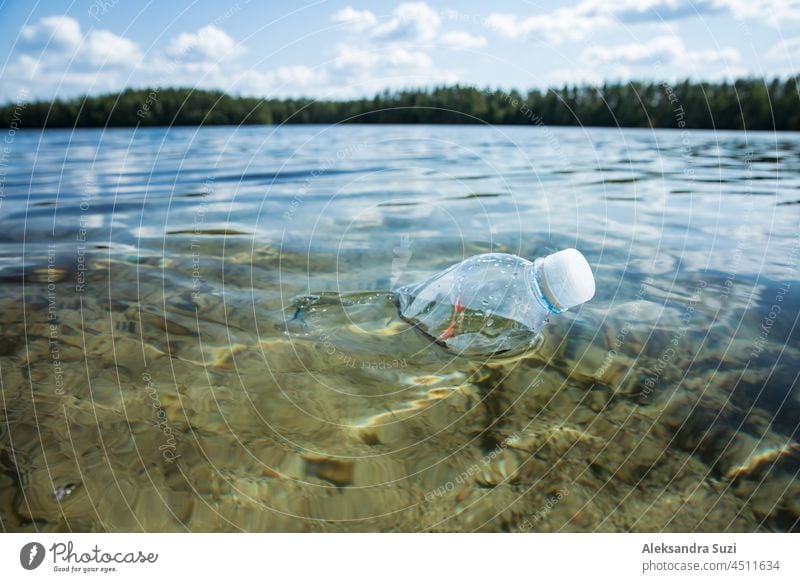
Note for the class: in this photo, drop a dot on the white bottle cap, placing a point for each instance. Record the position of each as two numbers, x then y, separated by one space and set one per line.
567 278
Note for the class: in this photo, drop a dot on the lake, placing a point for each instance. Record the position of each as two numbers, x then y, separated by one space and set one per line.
154 377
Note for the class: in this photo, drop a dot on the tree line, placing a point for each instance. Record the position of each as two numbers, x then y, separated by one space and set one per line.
743 104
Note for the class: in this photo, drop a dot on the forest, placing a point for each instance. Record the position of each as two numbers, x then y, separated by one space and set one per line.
751 104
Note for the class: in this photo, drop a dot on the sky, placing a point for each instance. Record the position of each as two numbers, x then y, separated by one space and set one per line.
343 49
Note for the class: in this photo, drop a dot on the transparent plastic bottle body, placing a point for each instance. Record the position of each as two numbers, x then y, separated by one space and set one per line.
486 305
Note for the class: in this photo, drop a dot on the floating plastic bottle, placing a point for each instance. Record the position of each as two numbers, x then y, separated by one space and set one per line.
496 303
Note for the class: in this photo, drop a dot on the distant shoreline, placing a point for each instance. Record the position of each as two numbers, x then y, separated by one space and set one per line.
752 104
355 124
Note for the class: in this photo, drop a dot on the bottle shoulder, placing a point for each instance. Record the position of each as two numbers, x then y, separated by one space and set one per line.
479 276
500 260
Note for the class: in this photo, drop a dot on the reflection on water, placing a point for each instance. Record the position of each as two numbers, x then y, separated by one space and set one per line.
197 332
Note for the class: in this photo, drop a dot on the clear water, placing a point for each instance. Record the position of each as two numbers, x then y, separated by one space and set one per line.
156 374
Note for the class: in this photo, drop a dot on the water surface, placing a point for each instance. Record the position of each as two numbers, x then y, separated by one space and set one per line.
156 377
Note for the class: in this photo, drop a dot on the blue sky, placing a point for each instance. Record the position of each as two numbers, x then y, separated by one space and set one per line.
351 48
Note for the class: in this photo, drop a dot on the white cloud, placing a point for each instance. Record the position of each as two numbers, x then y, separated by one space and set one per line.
785 50
356 71
204 58
564 24
61 32
353 59
209 44
356 20
285 81
70 62
633 11
59 38
397 50
55 56
775 12
663 57
46 79
410 22
577 22
392 51
585 75
458 39
723 56
297 76
660 50
103 47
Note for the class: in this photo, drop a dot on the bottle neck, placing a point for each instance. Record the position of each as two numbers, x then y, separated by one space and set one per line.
540 290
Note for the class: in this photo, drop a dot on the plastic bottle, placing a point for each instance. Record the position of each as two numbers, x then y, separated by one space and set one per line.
496 303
